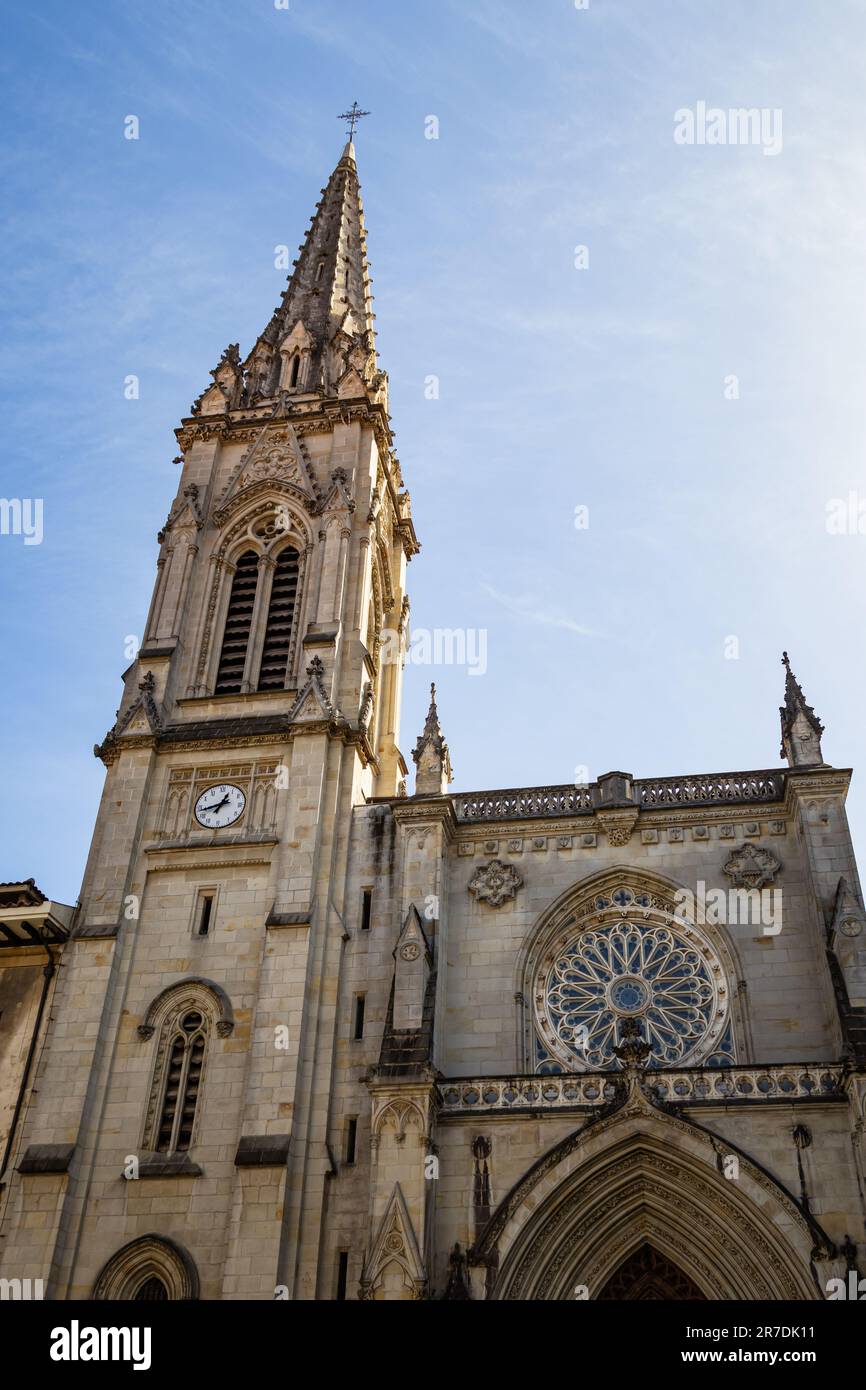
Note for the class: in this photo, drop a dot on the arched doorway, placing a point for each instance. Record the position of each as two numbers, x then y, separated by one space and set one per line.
153 1290
151 1269
647 1275
642 1177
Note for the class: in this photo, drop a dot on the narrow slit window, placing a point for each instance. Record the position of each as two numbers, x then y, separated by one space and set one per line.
204 914
351 1140
281 616
342 1275
296 367
359 1016
366 909
236 635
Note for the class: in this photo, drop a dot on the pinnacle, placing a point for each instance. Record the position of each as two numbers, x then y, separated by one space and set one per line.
431 747
795 705
432 725
795 700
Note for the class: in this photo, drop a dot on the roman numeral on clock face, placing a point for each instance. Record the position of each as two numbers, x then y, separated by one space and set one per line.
220 806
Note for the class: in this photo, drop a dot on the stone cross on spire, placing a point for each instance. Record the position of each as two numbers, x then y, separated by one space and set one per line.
431 756
801 727
352 117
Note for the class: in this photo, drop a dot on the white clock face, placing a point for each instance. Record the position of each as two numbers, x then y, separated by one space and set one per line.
220 806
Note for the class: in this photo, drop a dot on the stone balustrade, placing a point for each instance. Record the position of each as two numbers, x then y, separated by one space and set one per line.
524 803
695 1086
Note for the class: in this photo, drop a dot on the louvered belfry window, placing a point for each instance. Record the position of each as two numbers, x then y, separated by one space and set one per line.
281 612
182 1084
236 636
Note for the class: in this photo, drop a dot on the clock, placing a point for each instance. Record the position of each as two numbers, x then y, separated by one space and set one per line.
220 806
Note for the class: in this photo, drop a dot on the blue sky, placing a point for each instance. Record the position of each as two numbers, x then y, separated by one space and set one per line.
560 387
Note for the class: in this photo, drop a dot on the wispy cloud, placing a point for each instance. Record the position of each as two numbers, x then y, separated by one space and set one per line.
525 607
557 386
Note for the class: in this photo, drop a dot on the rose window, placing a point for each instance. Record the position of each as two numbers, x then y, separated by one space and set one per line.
671 983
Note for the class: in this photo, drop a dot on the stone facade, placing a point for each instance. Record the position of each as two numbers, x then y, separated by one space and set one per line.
351 1043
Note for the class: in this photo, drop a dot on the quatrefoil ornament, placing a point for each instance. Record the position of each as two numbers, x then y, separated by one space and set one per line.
495 883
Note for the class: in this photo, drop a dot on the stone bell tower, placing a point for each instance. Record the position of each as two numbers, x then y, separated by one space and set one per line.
294 441
263 706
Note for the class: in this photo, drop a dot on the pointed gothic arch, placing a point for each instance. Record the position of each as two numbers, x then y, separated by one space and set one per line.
184 1018
295 353
394 1269
136 1272
280 620
192 991
238 623
647 1275
271 523
641 1176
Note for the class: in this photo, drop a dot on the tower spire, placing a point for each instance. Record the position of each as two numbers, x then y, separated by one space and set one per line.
321 338
801 727
431 755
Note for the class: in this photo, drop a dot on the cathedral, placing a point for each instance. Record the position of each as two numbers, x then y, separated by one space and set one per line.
320 1030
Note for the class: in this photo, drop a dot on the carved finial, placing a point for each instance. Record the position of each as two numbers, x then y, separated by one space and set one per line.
801 727
632 1050
431 755
231 356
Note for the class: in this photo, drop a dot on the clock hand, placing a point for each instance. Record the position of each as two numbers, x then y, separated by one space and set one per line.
216 806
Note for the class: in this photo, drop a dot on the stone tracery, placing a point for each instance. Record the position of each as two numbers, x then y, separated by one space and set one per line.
621 952
628 970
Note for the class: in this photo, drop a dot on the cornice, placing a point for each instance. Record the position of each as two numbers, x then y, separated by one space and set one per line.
327 411
266 697
426 811
519 828
208 865
265 840
812 781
